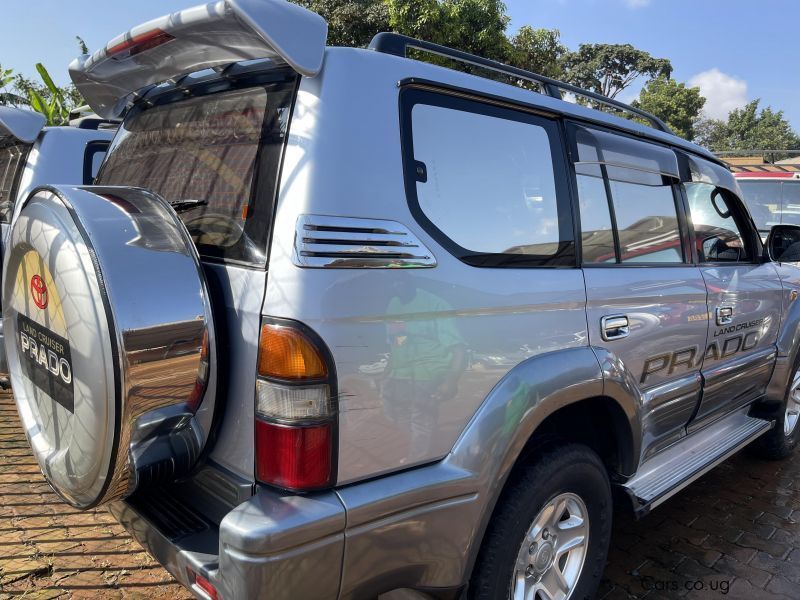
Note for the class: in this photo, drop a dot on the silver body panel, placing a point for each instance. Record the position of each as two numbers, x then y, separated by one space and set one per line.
666 310
57 156
420 471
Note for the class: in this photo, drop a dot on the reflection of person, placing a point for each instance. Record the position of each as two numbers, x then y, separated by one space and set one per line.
426 358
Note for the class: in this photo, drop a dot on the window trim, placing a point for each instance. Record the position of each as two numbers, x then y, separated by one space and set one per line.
687 257
566 255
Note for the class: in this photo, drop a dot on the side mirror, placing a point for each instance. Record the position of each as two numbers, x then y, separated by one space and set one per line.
783 243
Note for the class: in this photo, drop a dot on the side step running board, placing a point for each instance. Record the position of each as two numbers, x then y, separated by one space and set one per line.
670 471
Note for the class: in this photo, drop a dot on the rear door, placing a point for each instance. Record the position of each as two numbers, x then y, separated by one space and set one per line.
216 158
744 294
646 302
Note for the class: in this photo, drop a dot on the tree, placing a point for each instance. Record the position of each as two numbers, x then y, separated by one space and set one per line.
7 95
475 26
538 50
351 22
608 69
672 102
748 128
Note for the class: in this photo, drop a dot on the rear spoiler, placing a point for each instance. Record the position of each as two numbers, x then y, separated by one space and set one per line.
23 125
207 36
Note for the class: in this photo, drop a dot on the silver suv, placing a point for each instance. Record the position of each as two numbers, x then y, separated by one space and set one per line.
335 322
32 154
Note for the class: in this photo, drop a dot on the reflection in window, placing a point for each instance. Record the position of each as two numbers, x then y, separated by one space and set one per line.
12 160
203 152
597 237
645 212
718 237
790 204
647 221
763 199
489 182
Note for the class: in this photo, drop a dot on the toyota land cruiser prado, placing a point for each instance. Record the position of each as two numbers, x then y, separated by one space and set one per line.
334 322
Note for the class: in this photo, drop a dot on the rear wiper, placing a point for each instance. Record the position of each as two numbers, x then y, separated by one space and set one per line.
188 203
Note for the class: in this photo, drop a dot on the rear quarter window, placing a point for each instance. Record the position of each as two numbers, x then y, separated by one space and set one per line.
216 159
487 182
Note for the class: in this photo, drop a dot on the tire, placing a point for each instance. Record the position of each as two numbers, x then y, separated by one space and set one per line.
566 472
781 441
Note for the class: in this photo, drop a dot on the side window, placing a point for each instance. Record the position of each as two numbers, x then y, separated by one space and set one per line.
486 181
12 161
790 213
627 200
92 159
718 236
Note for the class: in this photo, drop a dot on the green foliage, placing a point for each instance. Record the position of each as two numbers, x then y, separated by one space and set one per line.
7 96
608 69
351 22
538 50
672 102
475 26
82 45
748 128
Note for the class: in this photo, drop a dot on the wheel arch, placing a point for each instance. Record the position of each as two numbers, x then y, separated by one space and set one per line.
566 394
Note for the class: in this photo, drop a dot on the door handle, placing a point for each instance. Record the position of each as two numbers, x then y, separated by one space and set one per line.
614 327
724 315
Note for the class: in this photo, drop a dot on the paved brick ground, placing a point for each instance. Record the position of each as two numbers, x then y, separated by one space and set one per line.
736 529
50 550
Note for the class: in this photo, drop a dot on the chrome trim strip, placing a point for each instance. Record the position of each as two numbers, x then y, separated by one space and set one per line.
353 243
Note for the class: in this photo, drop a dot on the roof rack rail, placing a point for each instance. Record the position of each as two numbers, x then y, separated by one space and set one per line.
398 45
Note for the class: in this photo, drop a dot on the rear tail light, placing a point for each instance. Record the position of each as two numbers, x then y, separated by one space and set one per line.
295 409
139 43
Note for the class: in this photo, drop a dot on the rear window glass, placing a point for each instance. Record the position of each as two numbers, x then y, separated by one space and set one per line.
215 158
12 161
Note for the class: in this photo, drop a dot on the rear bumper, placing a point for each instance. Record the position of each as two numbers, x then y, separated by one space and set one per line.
407 530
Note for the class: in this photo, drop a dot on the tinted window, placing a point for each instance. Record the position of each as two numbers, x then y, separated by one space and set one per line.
763 199
12 161
484 179
790 203
202 155
629 182
718 235
597 236
92 160
490 183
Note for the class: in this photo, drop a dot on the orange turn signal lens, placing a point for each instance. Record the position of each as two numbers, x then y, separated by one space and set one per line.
287 353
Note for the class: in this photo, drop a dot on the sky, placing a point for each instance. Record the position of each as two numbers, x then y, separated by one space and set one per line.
734 50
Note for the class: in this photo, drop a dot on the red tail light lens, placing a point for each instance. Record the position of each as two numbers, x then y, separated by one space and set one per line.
139 43
293 457
295 409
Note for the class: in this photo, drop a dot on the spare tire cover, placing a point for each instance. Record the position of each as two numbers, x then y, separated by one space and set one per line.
109 337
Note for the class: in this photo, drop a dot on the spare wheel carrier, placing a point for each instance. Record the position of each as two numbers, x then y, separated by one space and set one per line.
110 340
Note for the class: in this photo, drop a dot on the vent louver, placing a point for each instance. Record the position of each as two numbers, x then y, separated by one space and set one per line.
354 243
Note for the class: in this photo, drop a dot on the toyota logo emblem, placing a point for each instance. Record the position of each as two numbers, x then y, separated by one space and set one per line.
39 291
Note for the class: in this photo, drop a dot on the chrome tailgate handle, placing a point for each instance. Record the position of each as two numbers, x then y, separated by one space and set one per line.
724 315
614 327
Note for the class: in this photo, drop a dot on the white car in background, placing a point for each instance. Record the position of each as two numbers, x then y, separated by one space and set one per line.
32 155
